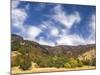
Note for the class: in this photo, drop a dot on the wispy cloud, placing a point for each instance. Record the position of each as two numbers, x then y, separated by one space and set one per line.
44 42
92 25
32 32
50 31
70 40
54 32
67 20
75 39
19 15
62 34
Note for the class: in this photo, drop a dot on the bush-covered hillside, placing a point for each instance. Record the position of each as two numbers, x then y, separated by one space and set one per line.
25 52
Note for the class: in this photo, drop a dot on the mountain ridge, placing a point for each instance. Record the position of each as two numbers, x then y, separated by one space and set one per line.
66 50
18 36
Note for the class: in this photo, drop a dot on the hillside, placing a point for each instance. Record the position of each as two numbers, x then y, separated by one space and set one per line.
44 56
73 51
57 50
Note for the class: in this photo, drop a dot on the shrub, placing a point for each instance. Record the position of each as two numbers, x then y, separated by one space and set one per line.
26 64
94 62
87 62
15 46
51 61
43 64
58 61
67 65
73 62
80 64
23 50
40 62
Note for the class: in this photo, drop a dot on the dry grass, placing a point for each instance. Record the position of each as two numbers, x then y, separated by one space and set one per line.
16 70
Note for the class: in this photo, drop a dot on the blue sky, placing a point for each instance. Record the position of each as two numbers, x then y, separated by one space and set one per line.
54 24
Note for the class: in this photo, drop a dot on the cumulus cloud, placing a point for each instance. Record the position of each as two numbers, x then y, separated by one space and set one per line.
67 20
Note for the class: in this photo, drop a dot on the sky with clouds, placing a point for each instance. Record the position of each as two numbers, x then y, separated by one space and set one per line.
54 24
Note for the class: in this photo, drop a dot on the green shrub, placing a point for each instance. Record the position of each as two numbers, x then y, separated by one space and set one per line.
73 62
26 64
23 49
67 65
86 62
42 62
58 61
51 61
80 64
94 62
15 46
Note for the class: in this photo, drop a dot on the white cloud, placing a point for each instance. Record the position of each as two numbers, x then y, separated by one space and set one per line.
19 15
92 26
64 38
70 40
75 39
51 28
44 42
54 31
67 20
92 23
46 24
32 32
